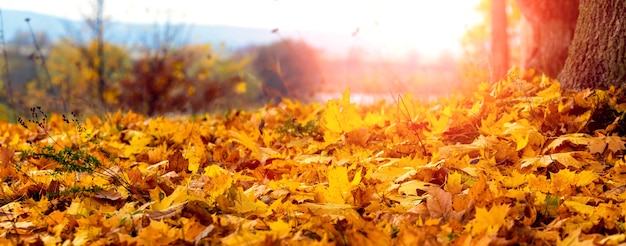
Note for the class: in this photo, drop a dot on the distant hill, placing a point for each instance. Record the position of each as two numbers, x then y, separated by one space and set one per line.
124 33
14 22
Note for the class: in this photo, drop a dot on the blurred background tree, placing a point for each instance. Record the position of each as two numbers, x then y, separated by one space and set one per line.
187 79
19 65
73 72
184 80
477 63
288 69
499 40
585 49
94 77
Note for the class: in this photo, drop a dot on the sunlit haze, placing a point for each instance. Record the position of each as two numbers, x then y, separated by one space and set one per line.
386 28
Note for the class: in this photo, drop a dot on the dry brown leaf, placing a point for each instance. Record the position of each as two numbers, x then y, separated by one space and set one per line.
439 202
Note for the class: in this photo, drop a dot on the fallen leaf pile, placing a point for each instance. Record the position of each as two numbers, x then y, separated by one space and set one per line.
520 161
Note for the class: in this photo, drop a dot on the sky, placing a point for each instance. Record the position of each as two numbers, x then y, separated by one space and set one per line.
392 27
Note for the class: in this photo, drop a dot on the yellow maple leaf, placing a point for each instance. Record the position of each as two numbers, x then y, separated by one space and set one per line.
389 173
158 232
243 237
77 208
489 221
138 142
339 186
57 221
331 209
213 171
523 134
341 116
574 138
581 208
246 141
279 227
514 180
177 197
192 228
246 203
576 159
584 178
193 157
372 119
410 187
551 92
562 181
453 184
85 233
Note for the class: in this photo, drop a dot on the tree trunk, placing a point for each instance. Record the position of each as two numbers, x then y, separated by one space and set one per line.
547 35
597 55
499 40
100 50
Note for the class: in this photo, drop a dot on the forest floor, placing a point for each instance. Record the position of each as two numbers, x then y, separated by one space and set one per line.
520 161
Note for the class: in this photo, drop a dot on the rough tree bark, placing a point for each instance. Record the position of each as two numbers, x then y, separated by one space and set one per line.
499 40
547 36
597 55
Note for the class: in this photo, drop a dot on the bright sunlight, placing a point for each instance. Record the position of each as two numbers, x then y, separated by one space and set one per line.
388 28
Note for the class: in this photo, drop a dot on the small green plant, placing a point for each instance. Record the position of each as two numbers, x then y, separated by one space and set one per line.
71 160
394 231
292 128
78 157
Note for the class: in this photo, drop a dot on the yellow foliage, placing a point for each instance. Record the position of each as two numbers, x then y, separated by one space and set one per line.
489 221
341 116
177 197
194 158
502 166
240 87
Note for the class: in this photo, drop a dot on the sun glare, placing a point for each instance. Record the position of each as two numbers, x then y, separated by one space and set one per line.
429 27
391 27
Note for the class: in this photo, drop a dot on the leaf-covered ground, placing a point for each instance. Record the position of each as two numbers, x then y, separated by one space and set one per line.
522 161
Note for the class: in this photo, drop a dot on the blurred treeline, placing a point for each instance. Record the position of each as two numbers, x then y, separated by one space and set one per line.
64 76
92 76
